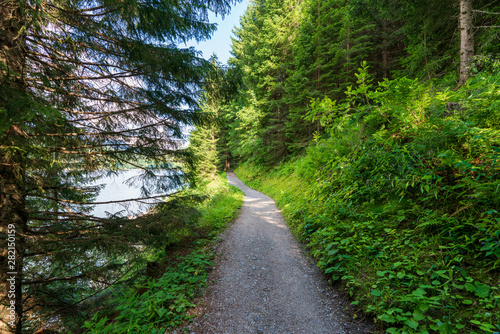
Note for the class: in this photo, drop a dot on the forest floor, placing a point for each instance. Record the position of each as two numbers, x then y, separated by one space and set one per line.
264 283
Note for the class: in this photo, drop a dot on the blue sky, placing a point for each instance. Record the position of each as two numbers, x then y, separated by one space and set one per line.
220 43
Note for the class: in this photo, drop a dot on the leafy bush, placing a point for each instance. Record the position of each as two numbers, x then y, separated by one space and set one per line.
153 305
399 201
163 304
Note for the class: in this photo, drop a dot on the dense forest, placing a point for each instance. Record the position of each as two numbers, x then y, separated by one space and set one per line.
296 55
375 125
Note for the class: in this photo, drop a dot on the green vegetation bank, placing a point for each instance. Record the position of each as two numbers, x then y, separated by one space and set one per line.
401 207
379 147
157 299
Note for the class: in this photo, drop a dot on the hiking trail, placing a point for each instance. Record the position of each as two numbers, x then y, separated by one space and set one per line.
263 281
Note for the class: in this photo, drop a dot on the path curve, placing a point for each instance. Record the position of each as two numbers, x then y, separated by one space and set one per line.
263 281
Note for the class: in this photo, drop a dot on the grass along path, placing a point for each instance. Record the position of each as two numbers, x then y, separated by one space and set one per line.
264 283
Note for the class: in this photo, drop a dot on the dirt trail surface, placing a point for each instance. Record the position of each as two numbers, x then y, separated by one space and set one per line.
263 281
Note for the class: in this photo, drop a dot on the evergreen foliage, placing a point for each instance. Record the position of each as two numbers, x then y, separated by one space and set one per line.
262 50
86 87
208 142
293 53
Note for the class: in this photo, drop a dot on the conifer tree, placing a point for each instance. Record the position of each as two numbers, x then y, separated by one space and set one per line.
87 86
317 70
262 50
466 40
430 28
208 142
383 32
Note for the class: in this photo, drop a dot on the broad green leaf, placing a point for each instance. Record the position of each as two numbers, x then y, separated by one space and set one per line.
469 287
412 323
419 292
387 318
487 327
329 270
482 290
418 316
333 252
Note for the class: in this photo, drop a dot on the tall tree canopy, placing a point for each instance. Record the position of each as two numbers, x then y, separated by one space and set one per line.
87 86
293 53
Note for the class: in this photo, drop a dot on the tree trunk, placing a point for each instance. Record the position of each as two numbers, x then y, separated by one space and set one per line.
466 40
13 212
13 225
385 51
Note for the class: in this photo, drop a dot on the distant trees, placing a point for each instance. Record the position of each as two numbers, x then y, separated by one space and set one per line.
294 52
86 87
208 142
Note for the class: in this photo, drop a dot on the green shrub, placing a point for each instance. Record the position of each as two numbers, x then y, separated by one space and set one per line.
399 201
163 304
154 305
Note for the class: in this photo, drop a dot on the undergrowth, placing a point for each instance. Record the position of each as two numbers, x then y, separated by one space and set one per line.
153 305
399 201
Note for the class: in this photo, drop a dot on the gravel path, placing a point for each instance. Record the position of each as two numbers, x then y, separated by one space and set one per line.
263 281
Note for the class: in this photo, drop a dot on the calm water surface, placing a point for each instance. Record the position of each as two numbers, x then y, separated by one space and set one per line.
116 189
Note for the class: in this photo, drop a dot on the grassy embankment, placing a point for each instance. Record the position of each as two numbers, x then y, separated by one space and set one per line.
161 299
400 203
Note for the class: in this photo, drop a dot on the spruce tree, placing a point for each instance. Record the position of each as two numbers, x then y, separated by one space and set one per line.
262 50
208 142
316 71
86 87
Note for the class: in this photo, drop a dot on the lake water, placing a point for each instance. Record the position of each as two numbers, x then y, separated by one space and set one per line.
116 189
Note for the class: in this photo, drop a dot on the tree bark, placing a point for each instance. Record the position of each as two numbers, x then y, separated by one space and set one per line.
13 225
13 211
466 40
